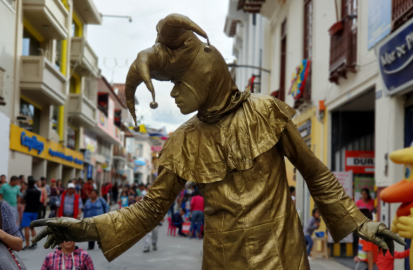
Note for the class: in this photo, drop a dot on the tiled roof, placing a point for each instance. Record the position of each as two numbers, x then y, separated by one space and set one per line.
121 91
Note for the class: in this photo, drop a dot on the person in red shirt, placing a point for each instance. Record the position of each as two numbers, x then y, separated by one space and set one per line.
87 188
387 262
197 212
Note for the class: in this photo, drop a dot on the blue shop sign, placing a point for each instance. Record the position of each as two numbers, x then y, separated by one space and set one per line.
31 142
89 171
395 58
65 157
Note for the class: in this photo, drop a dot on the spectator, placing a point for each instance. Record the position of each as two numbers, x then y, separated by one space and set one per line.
21 204
32 197
197 211
22 178
68 256
104 190
3 180
70 203
109 187
368 252
115 192
177 220
60 186
45 186
312 225
43 199
54 198
94 206
124 199
387 262
132 196
87 188
292 192
79 187
366 202
10 192
10 234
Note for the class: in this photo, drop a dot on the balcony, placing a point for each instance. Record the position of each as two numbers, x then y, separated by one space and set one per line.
343 49
85 59
82 112
41 81
119 153
402 11
88 11
106 129
49 17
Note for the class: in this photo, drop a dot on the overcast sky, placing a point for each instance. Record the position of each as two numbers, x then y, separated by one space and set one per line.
117 42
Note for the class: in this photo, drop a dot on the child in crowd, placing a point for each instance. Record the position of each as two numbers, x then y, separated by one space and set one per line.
124 199
387 262
68 256
312 225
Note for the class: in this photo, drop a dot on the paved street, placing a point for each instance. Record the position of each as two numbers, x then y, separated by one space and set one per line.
173 253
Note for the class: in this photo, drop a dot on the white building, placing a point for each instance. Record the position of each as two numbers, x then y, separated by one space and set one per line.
344 104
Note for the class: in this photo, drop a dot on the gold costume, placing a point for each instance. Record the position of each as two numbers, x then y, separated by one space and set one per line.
234 150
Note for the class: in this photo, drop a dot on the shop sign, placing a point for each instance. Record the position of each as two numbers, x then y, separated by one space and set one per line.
89 171
24 141
91 144
346 180
360 162
156 148
379 22
395 59
87 156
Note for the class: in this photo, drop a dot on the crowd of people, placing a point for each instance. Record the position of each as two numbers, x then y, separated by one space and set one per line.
26 200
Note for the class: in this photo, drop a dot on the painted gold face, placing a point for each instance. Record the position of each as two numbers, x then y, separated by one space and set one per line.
185 99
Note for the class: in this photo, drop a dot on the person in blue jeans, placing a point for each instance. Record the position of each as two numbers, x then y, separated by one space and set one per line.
312 225
197 212
32 198
94 206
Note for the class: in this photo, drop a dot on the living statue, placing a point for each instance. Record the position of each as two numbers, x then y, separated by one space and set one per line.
233 149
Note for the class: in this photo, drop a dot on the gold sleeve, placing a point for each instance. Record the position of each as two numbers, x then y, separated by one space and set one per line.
119 230
339 212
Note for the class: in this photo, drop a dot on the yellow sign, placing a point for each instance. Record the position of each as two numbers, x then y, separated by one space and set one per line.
32 144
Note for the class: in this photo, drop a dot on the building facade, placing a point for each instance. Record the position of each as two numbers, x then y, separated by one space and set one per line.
326 60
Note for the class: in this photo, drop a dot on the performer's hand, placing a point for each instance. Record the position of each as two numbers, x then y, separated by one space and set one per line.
63 229
405 226
378 234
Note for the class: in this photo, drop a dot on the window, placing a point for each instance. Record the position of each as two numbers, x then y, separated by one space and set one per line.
30 117
71 138
283 60
31 46
402 11
55 118
58 59
139 150
308 29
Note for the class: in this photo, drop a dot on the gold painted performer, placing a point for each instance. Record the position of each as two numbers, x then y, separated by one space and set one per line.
233 149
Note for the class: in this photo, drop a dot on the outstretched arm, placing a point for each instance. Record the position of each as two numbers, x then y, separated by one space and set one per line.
119 230
339 212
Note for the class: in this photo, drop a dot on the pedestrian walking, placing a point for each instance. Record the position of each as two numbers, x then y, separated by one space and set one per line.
151 237
312 225
70 203
104 191
3 180
94 206
115 192
11 239
32 198
60 186
68 256
43 199
124 199
197 212
366 202
10 192
87 188
54 198
45 185
21 204
79 186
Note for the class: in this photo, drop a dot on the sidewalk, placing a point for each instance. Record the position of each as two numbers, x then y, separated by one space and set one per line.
321 264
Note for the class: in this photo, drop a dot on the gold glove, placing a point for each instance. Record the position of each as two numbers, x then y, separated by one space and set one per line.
59 230
405 226
378 234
